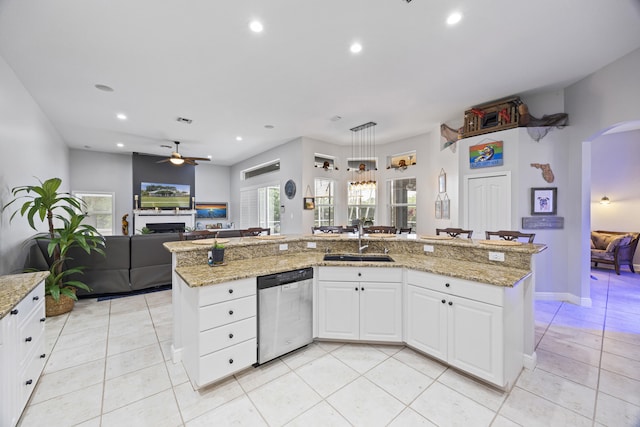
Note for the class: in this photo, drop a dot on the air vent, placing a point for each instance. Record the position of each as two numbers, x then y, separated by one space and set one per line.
184 120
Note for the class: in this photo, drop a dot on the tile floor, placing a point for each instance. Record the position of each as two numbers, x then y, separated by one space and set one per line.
109 366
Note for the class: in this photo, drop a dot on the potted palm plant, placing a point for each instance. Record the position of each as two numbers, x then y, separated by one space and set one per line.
63 215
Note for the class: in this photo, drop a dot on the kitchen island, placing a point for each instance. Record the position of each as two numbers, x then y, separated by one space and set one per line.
447 297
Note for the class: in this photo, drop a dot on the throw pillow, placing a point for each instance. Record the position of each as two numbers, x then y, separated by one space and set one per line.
618 241
593 246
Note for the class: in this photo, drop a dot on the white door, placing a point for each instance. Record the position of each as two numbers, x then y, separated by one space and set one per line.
488 206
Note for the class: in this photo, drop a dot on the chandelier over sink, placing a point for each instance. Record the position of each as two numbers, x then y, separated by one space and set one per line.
363 162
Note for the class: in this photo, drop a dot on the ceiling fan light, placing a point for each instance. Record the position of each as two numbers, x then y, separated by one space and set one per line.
176 160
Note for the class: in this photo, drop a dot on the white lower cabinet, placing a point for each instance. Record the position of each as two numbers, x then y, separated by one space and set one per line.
360 303
22 354
219 329
472 326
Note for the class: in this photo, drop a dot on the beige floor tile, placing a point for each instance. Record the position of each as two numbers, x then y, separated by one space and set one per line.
159 410
421 363
570 349
238 412
70 357
321 415
94 422
399 380
622 348
571 395
326 374
591 314
68 380
565 367
131 341
66 410
329 346
80 338
528 409
501 421
388 349
303 356
476 390
177 373
409 417
360 357
444 406
611 411
621 365
619 386
128 304
131 387
577 336
283 399
133 360
252 378
158 298
194 403
363 403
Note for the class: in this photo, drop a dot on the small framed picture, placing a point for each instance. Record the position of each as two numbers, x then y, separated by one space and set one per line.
446 210
438 207
442 182
544 201
308 203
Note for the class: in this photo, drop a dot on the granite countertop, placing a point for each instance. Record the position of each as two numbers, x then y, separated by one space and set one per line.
203 275
14 287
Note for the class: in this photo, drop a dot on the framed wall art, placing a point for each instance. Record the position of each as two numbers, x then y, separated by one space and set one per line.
544 201
486 155
446 207
308 203
438 208
442 182
212 210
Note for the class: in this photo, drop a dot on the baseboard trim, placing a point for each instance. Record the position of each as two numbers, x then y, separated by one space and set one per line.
176 354
563 296
529 361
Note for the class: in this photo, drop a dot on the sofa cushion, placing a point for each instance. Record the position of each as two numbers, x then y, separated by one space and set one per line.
601 240
593 245
150 260
601 255
618 241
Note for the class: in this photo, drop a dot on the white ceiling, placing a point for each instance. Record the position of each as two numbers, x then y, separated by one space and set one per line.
198 59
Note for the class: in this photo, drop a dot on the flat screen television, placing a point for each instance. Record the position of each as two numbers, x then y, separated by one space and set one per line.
164 195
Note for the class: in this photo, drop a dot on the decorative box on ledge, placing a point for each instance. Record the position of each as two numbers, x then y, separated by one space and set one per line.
491 117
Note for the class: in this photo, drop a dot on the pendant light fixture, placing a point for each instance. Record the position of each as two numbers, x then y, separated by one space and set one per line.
363 152
605 200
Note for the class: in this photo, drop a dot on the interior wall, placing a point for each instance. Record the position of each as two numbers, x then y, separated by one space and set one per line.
613 176
213 185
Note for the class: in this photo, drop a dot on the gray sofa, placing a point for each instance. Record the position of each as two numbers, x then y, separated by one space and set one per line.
130 263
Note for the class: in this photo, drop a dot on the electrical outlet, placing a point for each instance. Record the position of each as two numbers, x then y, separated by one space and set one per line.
284 247
496 256
428 248
311 245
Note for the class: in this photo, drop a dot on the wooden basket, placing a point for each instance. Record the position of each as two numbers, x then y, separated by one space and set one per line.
55 308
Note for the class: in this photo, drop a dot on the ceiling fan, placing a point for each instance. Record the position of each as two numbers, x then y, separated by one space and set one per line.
178 159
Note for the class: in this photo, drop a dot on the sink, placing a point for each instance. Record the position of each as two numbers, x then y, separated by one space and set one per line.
358 258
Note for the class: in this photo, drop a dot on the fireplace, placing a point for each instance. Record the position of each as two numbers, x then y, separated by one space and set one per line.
166 227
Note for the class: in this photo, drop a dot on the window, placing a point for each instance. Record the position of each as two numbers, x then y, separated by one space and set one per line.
403 202
260 207
99 208
261 169
324 199
362 202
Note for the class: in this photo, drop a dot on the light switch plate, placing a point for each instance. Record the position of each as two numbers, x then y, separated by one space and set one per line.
496 256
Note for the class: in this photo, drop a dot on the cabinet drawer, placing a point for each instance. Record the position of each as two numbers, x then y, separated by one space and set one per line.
227 312
490 294
225 362
28 376
361 274
30 333
225 336
32 301
226 291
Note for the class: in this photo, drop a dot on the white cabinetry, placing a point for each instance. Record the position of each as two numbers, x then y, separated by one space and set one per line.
218 329
22 354
360 303
473 326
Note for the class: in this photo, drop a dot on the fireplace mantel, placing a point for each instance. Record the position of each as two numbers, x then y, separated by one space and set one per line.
142 217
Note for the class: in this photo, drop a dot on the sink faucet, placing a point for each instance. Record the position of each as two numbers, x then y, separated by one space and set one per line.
360 246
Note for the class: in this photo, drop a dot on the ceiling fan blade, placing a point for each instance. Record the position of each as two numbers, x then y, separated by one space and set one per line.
163 161
206 159
189 161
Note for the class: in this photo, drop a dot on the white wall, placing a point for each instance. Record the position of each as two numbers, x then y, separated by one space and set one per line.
213 184
32 148
612 175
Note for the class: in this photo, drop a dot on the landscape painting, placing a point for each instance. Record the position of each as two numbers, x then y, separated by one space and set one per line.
212 210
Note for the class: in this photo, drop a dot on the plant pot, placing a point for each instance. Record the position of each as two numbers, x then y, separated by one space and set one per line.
217 255
55 308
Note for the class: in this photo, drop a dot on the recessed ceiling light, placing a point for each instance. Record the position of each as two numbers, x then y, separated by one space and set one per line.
121 116
104 88
356 48
269 126
256 26
454 18
120 144
238 138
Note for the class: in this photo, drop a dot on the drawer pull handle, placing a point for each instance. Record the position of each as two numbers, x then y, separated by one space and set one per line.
359 274
450 302
36 298
447 285
42 319
443 301
14 311
42 356
230 361
28 339
28 382
230 335
356 289
230 312
362 289
230 291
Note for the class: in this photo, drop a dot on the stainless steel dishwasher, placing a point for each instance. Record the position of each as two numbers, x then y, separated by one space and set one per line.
285 312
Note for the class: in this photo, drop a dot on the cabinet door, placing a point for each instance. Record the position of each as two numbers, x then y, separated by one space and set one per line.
426 320
475 338
381 311
338 310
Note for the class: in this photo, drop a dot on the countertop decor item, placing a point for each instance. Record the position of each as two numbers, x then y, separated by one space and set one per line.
44 202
